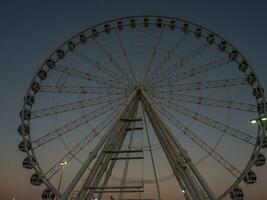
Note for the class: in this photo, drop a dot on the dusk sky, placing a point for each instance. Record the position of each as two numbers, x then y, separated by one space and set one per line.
31 30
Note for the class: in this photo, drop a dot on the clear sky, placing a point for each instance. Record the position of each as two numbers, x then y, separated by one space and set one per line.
30 30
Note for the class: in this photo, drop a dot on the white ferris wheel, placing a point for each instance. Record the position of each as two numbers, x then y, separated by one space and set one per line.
144 107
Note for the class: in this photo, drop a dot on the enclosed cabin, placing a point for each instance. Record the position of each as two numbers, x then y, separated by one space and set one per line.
24 148
35 86
83 39
264 141
51 63
28 162
36 180
260 107
198 32
107 28
237 194
29 100
258 92
233 55
146 22
251 78
133 23
186 28
159 22
222 46
24 130
250 177
243 66
120 25
264 144
42 74
260 160
25 114
71 46
172 24
60 54
48 194
94 33
210 38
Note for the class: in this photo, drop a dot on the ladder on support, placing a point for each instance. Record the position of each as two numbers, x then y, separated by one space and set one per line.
135 153
132 186
131 119
134 128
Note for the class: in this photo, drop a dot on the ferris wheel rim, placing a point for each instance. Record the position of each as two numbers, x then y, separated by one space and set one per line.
261 129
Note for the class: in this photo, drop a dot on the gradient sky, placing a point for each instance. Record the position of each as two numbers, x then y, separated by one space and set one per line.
30 30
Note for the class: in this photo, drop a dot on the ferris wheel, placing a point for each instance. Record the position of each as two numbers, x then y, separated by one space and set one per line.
144 107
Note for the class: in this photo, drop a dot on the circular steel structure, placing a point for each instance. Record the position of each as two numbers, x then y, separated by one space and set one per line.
202 87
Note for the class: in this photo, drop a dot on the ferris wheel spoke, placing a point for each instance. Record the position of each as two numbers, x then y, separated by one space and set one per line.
113 61
76 123
72 106
100 67
82 90
206 120
167 57
220 103
87 76
154 52
177 77
81 144
201 143
183 60
126 56
182 87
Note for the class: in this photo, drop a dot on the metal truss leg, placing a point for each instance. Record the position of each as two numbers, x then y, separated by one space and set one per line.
103 160
178 158
92 155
